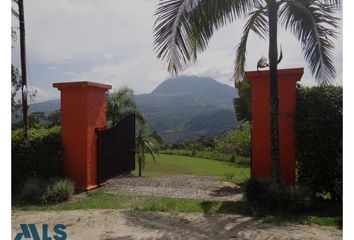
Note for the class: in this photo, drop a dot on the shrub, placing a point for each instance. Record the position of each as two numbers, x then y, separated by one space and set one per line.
39 157
58 191
243 160
32 191
236 141
318 127
270 196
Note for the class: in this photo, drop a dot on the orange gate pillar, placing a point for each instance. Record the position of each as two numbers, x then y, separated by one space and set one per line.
261 141
83 108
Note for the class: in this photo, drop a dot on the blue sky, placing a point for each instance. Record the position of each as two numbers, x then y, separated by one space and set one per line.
112 42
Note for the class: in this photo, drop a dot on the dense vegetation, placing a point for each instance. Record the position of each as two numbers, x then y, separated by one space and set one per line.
232 146
40 156
318 125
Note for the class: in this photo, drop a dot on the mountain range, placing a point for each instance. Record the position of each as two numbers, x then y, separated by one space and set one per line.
182 108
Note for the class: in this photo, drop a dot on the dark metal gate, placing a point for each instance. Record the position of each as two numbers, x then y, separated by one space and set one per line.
115 149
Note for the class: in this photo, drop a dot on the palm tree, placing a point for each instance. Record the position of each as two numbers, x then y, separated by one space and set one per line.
184 27
119 104
145 142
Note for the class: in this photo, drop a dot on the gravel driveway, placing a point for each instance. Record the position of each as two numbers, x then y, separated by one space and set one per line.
178 186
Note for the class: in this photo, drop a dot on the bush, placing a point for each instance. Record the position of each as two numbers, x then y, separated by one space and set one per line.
32 191
58 191
236 141
243 160
318 127
270 196
39 157
37 190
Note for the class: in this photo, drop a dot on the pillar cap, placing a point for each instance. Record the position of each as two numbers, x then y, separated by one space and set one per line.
297 72
81 84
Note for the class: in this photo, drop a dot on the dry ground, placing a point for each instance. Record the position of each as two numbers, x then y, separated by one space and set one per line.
129 225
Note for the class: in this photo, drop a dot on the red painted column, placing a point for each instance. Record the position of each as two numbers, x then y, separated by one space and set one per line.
83 108
261 141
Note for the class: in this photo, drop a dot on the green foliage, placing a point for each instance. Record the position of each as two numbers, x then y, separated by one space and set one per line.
44 191
318 124
36 119
146 141
266 194
59 191
32 191
242 105
53 118
119 104
39 157
237 141
242 160
15 88
200 144
200 154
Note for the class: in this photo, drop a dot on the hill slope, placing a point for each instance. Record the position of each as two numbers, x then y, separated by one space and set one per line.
189 107
181 108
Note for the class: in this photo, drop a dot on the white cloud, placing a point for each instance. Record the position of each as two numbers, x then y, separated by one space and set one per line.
112 42
61 31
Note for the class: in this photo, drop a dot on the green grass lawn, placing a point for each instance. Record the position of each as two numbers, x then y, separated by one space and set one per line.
174 164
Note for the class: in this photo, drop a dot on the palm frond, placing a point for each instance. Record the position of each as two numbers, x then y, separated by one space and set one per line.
313 23
333 3
184 27
258 23
150 150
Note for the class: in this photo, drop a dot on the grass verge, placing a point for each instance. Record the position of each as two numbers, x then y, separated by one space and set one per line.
175 164
100 199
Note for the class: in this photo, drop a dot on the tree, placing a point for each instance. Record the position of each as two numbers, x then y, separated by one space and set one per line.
146 141
53 118
15 75
15 87
184 27
242 104
36 119
119 104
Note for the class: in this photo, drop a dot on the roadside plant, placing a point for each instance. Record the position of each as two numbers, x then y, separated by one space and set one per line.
58 191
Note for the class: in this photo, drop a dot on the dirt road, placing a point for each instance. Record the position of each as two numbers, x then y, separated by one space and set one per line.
129 225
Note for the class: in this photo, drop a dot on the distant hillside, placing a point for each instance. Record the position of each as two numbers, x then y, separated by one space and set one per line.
188 107
181 108
202 86
46 107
